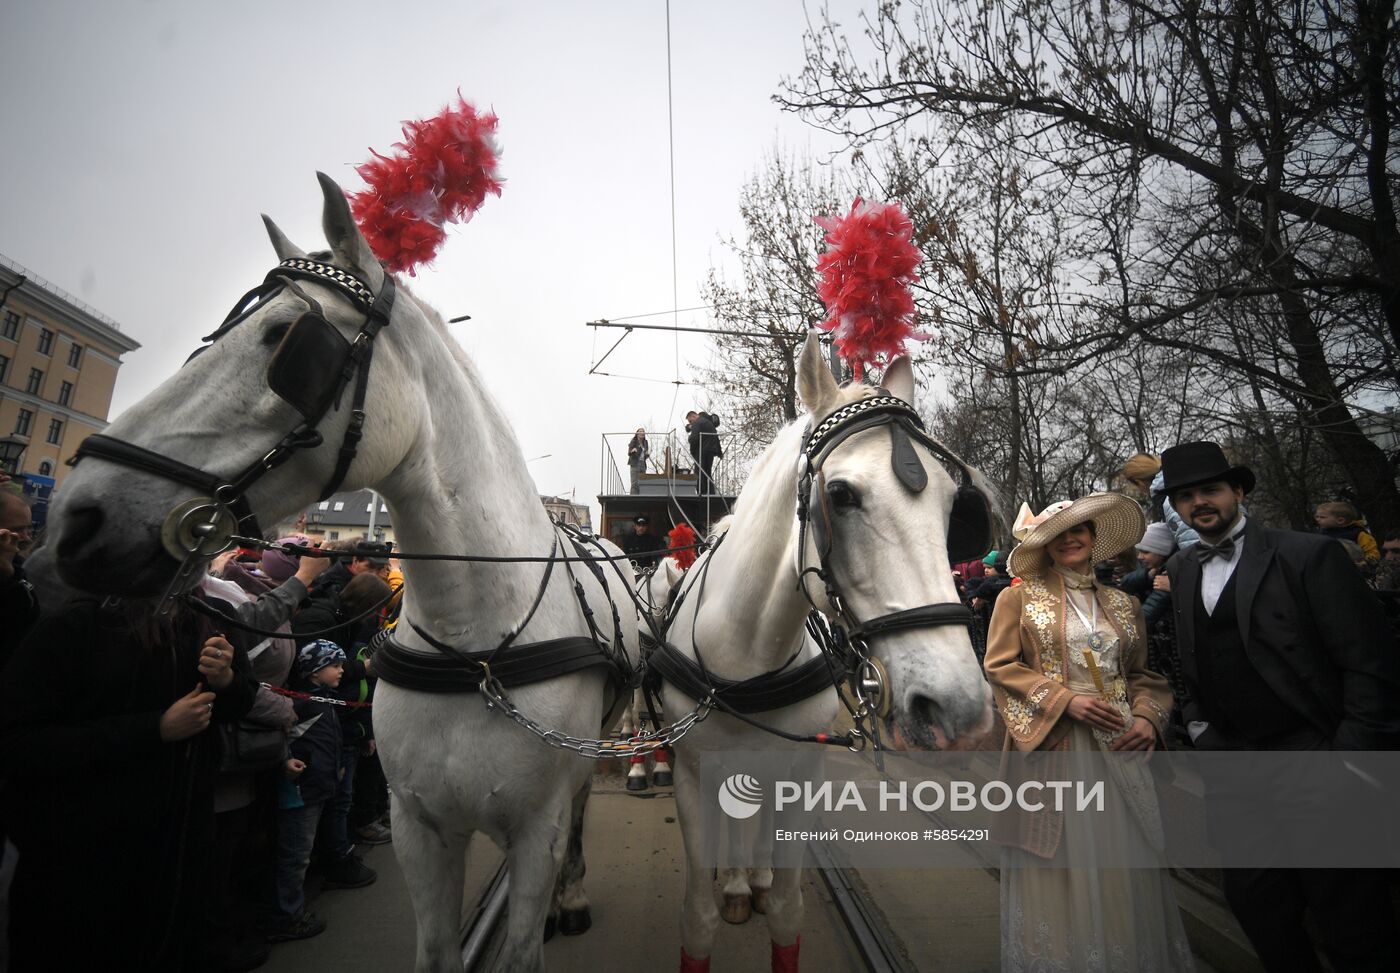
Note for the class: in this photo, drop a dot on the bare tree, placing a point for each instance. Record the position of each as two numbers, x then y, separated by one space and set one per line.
1219 165
775 295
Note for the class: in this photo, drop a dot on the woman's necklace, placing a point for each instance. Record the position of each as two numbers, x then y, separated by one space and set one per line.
1091 624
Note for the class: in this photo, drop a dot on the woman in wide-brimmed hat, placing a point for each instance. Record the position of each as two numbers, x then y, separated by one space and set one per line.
1066 660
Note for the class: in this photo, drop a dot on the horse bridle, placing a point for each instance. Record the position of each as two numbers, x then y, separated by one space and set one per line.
310 369
969 534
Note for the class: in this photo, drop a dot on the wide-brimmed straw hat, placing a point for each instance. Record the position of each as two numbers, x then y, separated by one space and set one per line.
1118 525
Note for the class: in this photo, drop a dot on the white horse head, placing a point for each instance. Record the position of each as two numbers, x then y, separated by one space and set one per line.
888 553
219 414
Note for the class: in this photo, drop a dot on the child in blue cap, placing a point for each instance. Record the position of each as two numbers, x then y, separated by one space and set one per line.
315 770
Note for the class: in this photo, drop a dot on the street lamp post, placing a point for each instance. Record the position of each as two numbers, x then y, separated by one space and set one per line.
11 452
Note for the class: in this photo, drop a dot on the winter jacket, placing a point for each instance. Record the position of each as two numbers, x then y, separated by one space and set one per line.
1357 533
1162 510
1156 605
19 607
704 436
319 746
113 823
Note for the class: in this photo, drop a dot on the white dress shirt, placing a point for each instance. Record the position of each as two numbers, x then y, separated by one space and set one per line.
1215 573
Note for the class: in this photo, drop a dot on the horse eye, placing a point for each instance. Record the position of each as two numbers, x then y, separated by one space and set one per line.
842 495
274 335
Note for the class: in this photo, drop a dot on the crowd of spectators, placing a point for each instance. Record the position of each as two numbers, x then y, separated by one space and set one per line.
172 782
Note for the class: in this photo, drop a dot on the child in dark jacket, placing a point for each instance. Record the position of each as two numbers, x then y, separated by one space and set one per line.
314 773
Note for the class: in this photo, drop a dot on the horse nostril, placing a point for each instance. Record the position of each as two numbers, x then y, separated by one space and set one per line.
933 716
79 527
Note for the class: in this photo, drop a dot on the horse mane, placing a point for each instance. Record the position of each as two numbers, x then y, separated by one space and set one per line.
435 318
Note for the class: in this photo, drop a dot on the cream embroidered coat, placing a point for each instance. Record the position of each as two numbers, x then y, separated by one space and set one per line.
1026 666
1026 663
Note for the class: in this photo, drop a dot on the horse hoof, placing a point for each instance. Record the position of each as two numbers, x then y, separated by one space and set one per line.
737 909
638 783
662 778
574 922
760 901
549 926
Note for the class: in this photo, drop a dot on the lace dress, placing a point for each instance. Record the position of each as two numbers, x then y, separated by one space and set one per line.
1086 919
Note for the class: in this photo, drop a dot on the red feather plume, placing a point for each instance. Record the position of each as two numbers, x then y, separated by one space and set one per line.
440 173
683 537
865 277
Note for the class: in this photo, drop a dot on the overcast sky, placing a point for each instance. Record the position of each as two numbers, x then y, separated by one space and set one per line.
142 140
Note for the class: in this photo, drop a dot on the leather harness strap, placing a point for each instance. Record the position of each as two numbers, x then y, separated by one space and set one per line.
757 694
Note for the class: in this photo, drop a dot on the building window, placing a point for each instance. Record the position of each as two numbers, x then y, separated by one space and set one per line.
46 468
22 423
45 341
369 508
325 505
4 367
65 393
36 379
55 431
333 535
340 505
75 356
11 328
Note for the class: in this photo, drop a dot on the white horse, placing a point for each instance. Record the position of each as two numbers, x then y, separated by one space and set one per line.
443 455
888 553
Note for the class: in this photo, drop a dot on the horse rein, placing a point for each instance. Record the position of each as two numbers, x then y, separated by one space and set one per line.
203 526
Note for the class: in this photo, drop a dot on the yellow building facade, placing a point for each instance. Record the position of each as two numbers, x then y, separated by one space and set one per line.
58 365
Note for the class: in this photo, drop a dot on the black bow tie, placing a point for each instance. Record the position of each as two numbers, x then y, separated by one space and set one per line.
1224 550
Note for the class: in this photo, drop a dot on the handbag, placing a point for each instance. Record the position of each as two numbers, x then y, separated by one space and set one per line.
247 747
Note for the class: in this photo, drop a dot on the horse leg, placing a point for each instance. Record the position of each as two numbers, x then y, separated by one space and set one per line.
434 861
534 854
574 915
699 916
738 905
760 881
785 909
661 774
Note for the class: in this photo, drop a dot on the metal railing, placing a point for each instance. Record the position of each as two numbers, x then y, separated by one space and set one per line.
32 278
670 467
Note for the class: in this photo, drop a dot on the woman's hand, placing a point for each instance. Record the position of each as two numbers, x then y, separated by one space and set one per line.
216 663
1162 582
293 768
187 716
1140 736
1095 712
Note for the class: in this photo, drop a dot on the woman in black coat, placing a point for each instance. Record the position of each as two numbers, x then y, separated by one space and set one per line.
108 763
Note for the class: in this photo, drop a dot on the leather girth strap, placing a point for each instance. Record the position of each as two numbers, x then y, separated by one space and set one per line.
522 665
757 694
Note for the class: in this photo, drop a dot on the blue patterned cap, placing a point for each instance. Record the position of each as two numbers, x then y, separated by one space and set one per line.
315 656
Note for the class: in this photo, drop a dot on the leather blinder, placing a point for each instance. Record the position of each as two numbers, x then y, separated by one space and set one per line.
307 366
905 462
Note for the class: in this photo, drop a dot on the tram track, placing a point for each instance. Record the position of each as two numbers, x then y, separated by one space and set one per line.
876 944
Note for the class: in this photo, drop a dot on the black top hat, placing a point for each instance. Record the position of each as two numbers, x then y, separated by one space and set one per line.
1191 463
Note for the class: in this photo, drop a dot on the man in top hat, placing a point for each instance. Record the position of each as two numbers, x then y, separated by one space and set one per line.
1282 647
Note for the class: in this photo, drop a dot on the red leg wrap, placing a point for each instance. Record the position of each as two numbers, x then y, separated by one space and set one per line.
663 756
637 758
785 957
689 964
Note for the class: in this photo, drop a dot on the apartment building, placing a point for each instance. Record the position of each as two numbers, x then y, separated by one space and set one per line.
58 365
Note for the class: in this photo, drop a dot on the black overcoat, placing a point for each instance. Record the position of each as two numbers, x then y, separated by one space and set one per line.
1313 630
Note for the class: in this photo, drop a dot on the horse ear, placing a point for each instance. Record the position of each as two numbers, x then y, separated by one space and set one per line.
673 572
815 383
347 242
899 379
285 248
